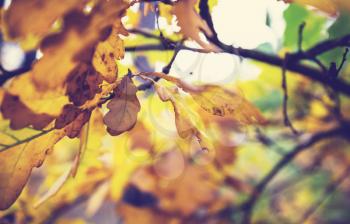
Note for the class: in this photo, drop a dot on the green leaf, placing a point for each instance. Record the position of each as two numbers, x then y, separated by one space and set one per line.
338 29
294 16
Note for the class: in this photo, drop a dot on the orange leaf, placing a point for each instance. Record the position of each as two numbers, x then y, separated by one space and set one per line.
190 22
64 51
19 26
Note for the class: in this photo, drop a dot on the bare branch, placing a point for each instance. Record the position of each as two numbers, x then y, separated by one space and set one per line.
329 191
249 205
287 121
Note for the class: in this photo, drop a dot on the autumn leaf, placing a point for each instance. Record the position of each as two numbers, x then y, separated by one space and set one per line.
64 51
73 129
20 115
215 100
190 22
28 26
83 84
20 26
123 108
50 102
107 52
221 102
185 126
72 120
17 163
68 115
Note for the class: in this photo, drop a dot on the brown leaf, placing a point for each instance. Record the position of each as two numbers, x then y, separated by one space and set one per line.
69 113
106 54
72 120
83 84
16 165
64 51
20 115
73 129
190 22
123 108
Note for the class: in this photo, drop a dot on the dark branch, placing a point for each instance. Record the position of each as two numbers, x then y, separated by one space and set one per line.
287 121
343 61
300 39
248 207
329 191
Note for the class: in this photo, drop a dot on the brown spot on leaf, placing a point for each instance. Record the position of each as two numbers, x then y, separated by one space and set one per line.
83 84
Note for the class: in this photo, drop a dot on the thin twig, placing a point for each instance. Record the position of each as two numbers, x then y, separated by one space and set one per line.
345 55
287 121
249 205
165 70
300 37
7 147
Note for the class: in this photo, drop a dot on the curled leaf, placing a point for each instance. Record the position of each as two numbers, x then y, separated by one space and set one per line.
123 108
185 126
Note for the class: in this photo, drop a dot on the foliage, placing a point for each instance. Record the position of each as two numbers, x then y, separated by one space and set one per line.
156 148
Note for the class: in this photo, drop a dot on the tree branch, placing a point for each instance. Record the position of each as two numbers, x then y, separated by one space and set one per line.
248 206
329 191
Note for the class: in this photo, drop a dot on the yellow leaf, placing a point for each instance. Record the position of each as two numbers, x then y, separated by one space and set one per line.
49 102
222 102
17 163
106 54
185 126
